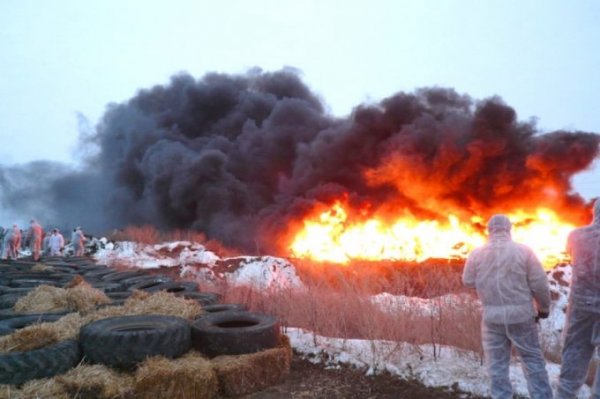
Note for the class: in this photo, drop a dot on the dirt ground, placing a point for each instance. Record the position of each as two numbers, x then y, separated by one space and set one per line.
310 381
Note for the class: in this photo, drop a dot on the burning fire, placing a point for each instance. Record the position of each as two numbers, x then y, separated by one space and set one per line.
330 236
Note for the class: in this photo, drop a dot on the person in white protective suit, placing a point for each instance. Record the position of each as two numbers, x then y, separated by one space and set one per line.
12 243
56 243
34 235
509 278
582 334
78 242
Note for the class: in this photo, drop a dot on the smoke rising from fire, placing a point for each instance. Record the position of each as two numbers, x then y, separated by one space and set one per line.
244 157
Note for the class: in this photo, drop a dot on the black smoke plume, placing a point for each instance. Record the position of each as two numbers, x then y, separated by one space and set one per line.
242 157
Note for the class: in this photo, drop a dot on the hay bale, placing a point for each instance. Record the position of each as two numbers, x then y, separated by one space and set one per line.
44 298
40 267
162 303
68 326
96 381
85 298
29 338
253 372
42 388
190 376
8 392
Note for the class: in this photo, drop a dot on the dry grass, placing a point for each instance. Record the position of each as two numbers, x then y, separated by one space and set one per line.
338 302
96 382
190 376
253 372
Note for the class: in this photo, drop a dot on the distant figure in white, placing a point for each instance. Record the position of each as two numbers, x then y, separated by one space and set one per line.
34 234
508 277
46 243
582 334
56 243
78 242
12 243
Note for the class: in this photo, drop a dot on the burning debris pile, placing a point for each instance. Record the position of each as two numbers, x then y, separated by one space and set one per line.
255 162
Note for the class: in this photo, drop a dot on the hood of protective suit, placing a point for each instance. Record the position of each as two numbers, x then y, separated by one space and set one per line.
596 212
499 227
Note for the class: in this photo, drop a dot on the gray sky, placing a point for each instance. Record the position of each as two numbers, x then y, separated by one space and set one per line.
62 57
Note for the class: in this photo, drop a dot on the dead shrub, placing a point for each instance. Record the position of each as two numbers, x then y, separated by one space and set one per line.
244 374
190 376
96 382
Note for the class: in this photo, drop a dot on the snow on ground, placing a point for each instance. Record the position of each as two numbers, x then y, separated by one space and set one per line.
195 261
450 367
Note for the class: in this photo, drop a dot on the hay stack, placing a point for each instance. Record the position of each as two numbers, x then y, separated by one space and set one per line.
79 296
164 303
253 372
42 388
29 338
190 376
97 381
40 267
44 298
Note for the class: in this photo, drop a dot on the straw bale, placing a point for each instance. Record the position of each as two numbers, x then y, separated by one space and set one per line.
44 298
162 303
96 381
29 338
42 388
190 376
253 372
84 298
67 327
8 392
40 267
75 281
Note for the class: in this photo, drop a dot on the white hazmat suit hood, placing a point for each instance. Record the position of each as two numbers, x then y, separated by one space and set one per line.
508 277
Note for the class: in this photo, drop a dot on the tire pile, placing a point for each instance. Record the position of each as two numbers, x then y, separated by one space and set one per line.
123 342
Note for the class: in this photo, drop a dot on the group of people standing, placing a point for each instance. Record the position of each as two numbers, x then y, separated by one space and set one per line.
509 279
52 243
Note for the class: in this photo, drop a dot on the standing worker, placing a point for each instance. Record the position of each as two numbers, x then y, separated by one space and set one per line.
35 239
56 242
582 335
78 242
12 243
508 277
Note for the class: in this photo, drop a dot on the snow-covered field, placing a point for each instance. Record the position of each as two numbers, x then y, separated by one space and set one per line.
449 367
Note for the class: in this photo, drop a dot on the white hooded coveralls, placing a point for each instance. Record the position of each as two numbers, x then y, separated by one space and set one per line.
582 334
508 278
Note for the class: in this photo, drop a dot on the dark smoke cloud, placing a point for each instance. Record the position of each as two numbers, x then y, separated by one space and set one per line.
242 157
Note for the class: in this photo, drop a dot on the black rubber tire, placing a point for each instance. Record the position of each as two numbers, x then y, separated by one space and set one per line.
8 326
119 294
224 307
123 342
107 287
8 300
144 282
32 283
119 276
234 333
97 274
9 314
178 287
19 367
203 298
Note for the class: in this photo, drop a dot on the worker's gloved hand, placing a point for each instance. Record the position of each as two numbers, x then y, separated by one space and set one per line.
542 315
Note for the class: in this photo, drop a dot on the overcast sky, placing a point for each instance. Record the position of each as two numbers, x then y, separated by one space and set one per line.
61 57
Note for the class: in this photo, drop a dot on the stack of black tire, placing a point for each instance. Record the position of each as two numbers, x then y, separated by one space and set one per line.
123 342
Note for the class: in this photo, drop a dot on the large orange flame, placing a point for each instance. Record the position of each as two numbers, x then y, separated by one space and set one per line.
329 236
